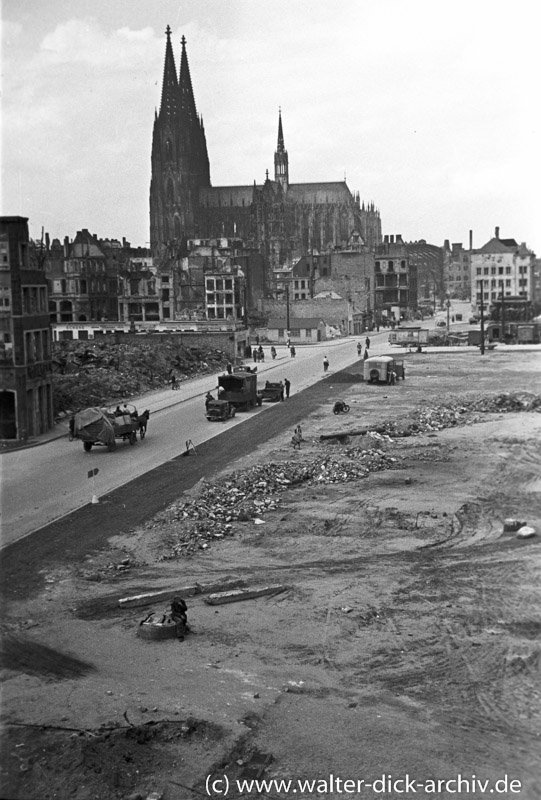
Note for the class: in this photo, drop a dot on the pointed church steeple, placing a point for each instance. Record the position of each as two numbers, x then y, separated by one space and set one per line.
281 161
187 100
169 103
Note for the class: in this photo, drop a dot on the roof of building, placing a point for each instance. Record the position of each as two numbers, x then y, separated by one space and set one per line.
331 192
305 322
318 193
496 245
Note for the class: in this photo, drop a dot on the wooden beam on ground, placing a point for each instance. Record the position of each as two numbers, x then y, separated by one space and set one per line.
183 591
242 594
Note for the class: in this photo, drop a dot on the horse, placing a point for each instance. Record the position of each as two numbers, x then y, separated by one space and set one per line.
142 422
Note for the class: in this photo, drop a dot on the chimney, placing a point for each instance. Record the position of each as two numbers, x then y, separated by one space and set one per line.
391 239
446 245
399 238
66 246
497 233
471 240
385 239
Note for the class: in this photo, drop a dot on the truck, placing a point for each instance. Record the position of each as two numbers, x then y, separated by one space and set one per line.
273 391
409 337
240 390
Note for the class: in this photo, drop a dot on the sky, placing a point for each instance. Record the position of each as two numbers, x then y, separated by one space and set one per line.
427 108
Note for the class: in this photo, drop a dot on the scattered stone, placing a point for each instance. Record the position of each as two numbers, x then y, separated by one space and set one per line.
526 532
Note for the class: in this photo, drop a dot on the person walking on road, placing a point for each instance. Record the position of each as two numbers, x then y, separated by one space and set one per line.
325 364
287 385
365 354
292 351
367 342
359 349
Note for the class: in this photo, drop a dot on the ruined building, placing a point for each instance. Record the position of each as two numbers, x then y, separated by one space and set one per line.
278 219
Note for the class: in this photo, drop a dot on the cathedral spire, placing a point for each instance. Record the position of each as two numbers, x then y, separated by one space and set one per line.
280 148
169 104
187 100
281 161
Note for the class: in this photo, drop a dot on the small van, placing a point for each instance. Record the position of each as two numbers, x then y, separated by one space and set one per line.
380 369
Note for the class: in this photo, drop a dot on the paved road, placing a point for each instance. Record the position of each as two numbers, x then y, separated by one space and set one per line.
42 484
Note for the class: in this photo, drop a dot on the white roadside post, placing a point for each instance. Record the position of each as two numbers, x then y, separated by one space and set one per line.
91 474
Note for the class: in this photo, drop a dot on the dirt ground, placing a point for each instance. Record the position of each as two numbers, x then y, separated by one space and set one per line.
406 640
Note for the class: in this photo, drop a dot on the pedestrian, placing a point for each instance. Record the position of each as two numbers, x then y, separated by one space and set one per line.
208 399
288 343
365 354
257 339
273 352
287 385
392 377
255 355
359 349
367 342
229 367
292 351
325 364
174 382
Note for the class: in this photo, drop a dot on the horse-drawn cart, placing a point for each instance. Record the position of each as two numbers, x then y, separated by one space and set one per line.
102 427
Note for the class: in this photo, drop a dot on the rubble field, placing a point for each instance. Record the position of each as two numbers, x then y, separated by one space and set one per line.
405 640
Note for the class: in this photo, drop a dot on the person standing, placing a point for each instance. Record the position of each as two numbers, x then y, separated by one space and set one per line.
325 364
365 354
292 351
287 385
367 342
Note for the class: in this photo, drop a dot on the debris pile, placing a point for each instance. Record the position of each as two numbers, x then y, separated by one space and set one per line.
460 411
99 373
245 496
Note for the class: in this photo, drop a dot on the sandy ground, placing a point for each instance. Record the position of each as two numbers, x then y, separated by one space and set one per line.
406 641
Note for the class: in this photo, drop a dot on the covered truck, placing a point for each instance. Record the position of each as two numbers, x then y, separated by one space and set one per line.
239 389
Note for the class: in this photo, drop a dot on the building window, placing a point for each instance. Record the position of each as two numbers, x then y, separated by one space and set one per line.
508 282
295 331
485 271
478 272
308 333
280 333
493 270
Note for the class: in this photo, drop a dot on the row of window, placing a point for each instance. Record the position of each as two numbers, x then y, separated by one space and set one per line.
34 299
295 332
37 346
485 270
219 284
497 295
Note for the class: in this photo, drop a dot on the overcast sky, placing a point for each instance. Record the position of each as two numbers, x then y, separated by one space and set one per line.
430 109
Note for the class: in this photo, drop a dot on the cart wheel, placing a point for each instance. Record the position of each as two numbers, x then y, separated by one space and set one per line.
87 446
346 408
133 437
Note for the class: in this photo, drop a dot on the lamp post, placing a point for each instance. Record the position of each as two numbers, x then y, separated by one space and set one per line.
448 312
482 309
287 309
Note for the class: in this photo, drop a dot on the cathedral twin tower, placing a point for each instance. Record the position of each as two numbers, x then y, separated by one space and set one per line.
280 220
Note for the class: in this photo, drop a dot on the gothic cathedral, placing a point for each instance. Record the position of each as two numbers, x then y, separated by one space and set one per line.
279 219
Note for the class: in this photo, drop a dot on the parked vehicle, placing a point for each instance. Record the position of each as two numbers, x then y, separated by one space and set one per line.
239 389
219 410
380 369
273 391
245 368
102 427
409 337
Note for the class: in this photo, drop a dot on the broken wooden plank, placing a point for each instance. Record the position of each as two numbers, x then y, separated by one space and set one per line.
343 434
242 594
184 591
